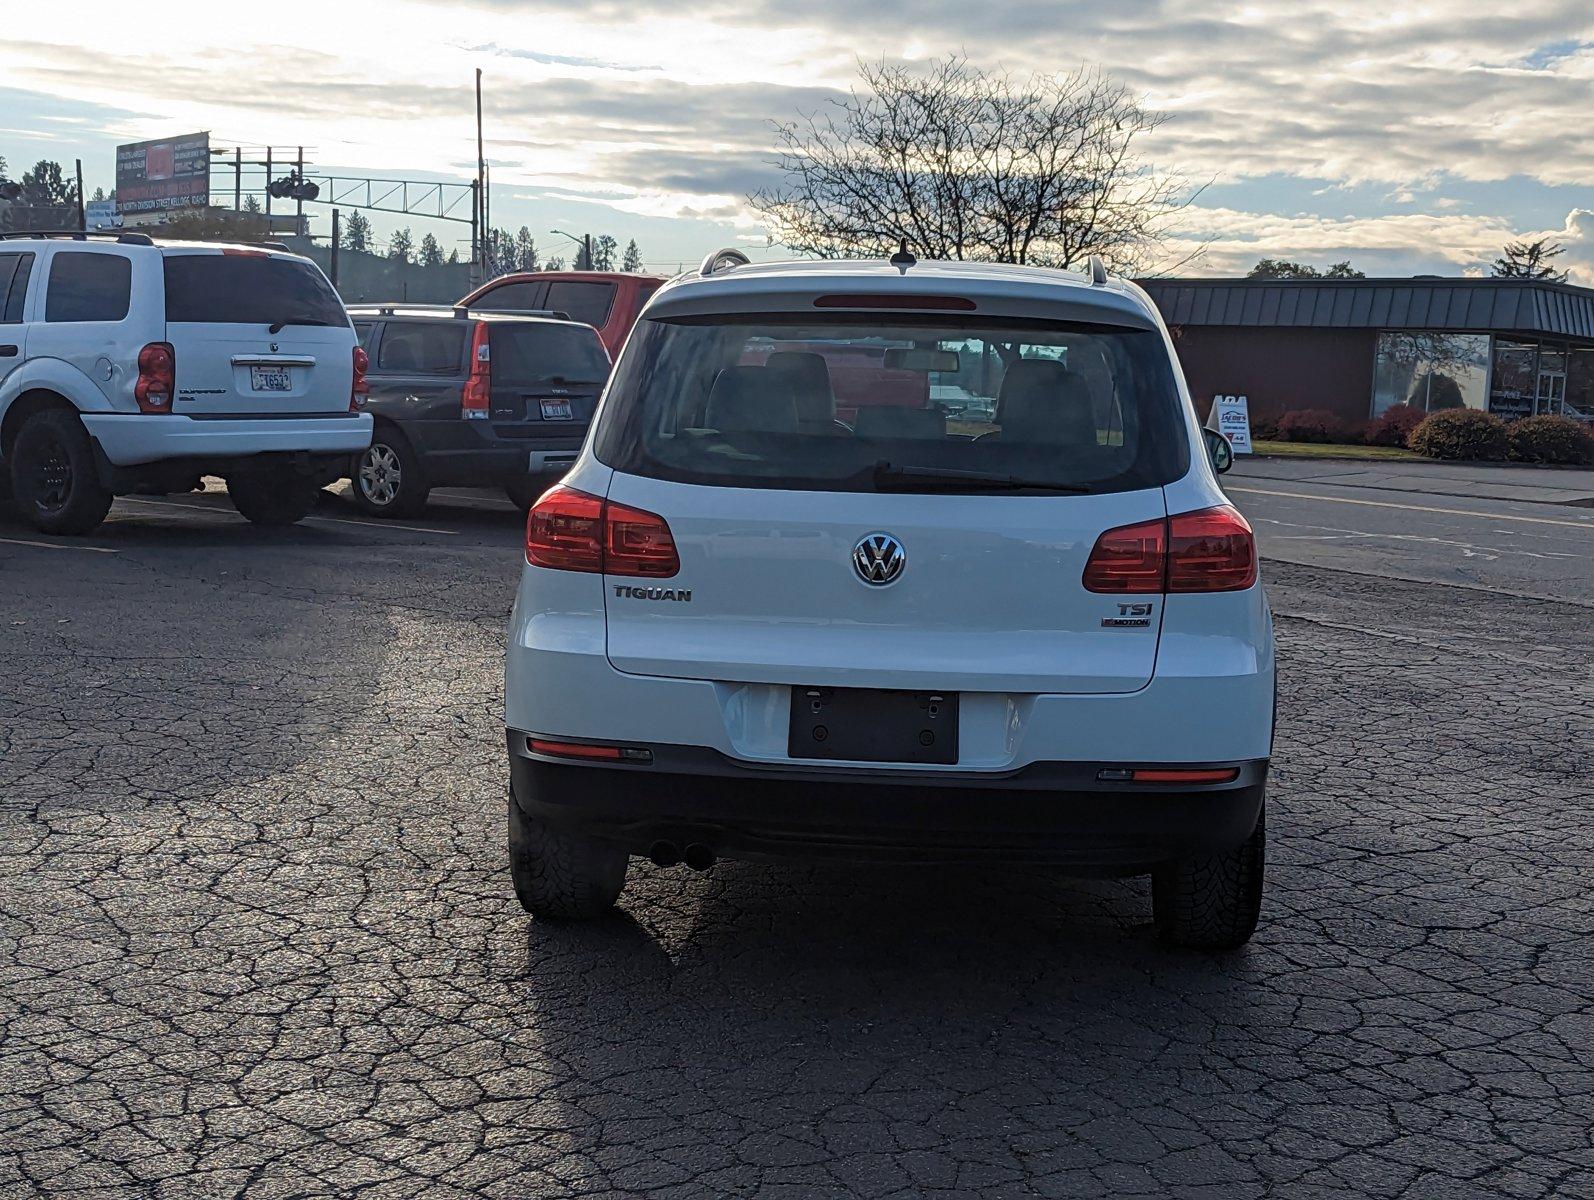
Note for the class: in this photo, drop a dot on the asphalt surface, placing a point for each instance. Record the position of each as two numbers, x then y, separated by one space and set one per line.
1523 546
257 937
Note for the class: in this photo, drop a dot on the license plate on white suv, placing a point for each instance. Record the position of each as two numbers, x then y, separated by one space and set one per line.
270 379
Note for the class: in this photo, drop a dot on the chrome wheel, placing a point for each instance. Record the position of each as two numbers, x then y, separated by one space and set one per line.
381 474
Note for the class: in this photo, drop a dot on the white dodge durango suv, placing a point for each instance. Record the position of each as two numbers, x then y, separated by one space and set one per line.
894 561
128 365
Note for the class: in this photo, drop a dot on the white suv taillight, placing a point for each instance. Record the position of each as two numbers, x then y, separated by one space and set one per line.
569 530
157 377
1210 550
359 389
475 402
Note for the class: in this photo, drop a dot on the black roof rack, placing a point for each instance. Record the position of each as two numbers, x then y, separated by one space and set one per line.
83 235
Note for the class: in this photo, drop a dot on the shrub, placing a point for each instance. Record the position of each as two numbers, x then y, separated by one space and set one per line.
1264 427
1460 433
1312 425
1393 427
1550 439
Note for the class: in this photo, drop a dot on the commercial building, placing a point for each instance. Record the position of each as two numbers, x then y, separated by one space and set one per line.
1357 346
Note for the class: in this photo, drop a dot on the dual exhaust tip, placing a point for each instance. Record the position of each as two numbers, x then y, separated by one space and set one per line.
664 853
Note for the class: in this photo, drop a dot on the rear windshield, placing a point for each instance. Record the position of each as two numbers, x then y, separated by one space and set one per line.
853 404
531 354
248 289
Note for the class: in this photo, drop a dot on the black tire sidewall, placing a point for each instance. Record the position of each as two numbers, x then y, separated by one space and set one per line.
87 501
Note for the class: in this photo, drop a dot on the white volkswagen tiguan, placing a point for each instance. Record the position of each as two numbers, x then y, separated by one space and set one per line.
894 561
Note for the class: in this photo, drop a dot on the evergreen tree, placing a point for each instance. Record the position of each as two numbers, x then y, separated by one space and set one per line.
357 233
431 254
525 251
453 257
400 245
252 204
99 195
554 264
1529 260
633 257
603 248
45 186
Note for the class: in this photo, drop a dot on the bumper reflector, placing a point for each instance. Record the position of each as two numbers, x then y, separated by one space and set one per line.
1177 774
581 750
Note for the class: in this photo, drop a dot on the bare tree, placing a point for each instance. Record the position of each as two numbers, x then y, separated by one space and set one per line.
969 164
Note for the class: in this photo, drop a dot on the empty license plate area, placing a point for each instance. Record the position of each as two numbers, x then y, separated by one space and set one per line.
873 725
271 379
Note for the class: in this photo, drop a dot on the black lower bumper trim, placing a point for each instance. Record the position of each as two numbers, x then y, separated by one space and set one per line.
1053 813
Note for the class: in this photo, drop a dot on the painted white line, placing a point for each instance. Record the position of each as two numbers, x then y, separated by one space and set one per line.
217 512
1455 512
58 546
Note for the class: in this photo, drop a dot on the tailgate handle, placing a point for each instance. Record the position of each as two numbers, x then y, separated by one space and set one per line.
272 360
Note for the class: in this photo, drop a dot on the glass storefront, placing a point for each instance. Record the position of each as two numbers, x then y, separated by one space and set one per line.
1510 377
1431 371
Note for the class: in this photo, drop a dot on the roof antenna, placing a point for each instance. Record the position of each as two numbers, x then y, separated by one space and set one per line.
903 258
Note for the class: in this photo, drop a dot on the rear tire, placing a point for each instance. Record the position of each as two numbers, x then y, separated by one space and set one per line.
54 478
386 479
272 497
562 876
525 492
1212 901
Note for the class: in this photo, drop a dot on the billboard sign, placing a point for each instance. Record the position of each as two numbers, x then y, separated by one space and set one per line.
152 177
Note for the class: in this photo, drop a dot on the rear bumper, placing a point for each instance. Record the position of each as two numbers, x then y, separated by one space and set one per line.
133 439
1048 812
472 452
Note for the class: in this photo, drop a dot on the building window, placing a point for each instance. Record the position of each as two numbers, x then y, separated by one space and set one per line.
1431 371
1580 383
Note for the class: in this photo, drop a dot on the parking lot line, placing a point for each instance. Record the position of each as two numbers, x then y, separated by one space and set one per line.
1457 512
205 508
57 546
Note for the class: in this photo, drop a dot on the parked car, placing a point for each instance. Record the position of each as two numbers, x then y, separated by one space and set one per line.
748 628
128 365
609 301
468 398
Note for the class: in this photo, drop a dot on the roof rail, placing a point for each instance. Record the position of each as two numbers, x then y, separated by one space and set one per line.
1097 270
81 235
727 258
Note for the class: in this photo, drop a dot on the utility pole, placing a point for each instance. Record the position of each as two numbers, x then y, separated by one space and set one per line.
481 173
237 179
587 252
298 201
475 233
336 238
268 191
82 213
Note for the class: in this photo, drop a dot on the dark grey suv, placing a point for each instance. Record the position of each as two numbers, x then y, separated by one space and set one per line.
466 398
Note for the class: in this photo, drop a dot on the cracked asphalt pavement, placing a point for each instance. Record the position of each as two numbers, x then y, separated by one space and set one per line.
257 936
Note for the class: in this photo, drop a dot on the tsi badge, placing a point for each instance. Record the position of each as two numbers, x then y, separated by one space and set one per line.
1130 616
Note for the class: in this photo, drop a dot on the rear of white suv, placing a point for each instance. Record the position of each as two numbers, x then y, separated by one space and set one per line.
140 367
925 564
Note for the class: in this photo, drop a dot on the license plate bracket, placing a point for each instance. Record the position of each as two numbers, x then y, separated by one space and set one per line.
557 410
873 725
270 379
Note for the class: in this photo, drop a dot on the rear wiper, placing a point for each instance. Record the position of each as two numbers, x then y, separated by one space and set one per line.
277 326
885 473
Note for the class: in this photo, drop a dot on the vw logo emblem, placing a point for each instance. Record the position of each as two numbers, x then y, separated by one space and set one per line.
878 558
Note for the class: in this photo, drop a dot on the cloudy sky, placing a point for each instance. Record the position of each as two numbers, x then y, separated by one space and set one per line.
1407 137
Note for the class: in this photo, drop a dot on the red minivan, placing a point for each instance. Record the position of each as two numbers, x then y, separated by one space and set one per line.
609 301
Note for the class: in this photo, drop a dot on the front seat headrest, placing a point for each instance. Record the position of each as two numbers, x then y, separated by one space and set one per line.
1043 401
809 377
750 400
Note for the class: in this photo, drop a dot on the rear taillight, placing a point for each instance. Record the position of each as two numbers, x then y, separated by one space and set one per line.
1211 550
359 389
1129 560
476 401
157 377
569 530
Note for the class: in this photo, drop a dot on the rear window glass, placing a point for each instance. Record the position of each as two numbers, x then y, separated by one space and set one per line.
248 289
580 300
855 404
523 297
428 348
529 353
85 286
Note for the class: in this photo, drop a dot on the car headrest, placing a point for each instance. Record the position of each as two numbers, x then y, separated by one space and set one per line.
809 377
750 400
1043 401
399 355
894 420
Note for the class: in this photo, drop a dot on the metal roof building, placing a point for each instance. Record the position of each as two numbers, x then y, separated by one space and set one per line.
1357 346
